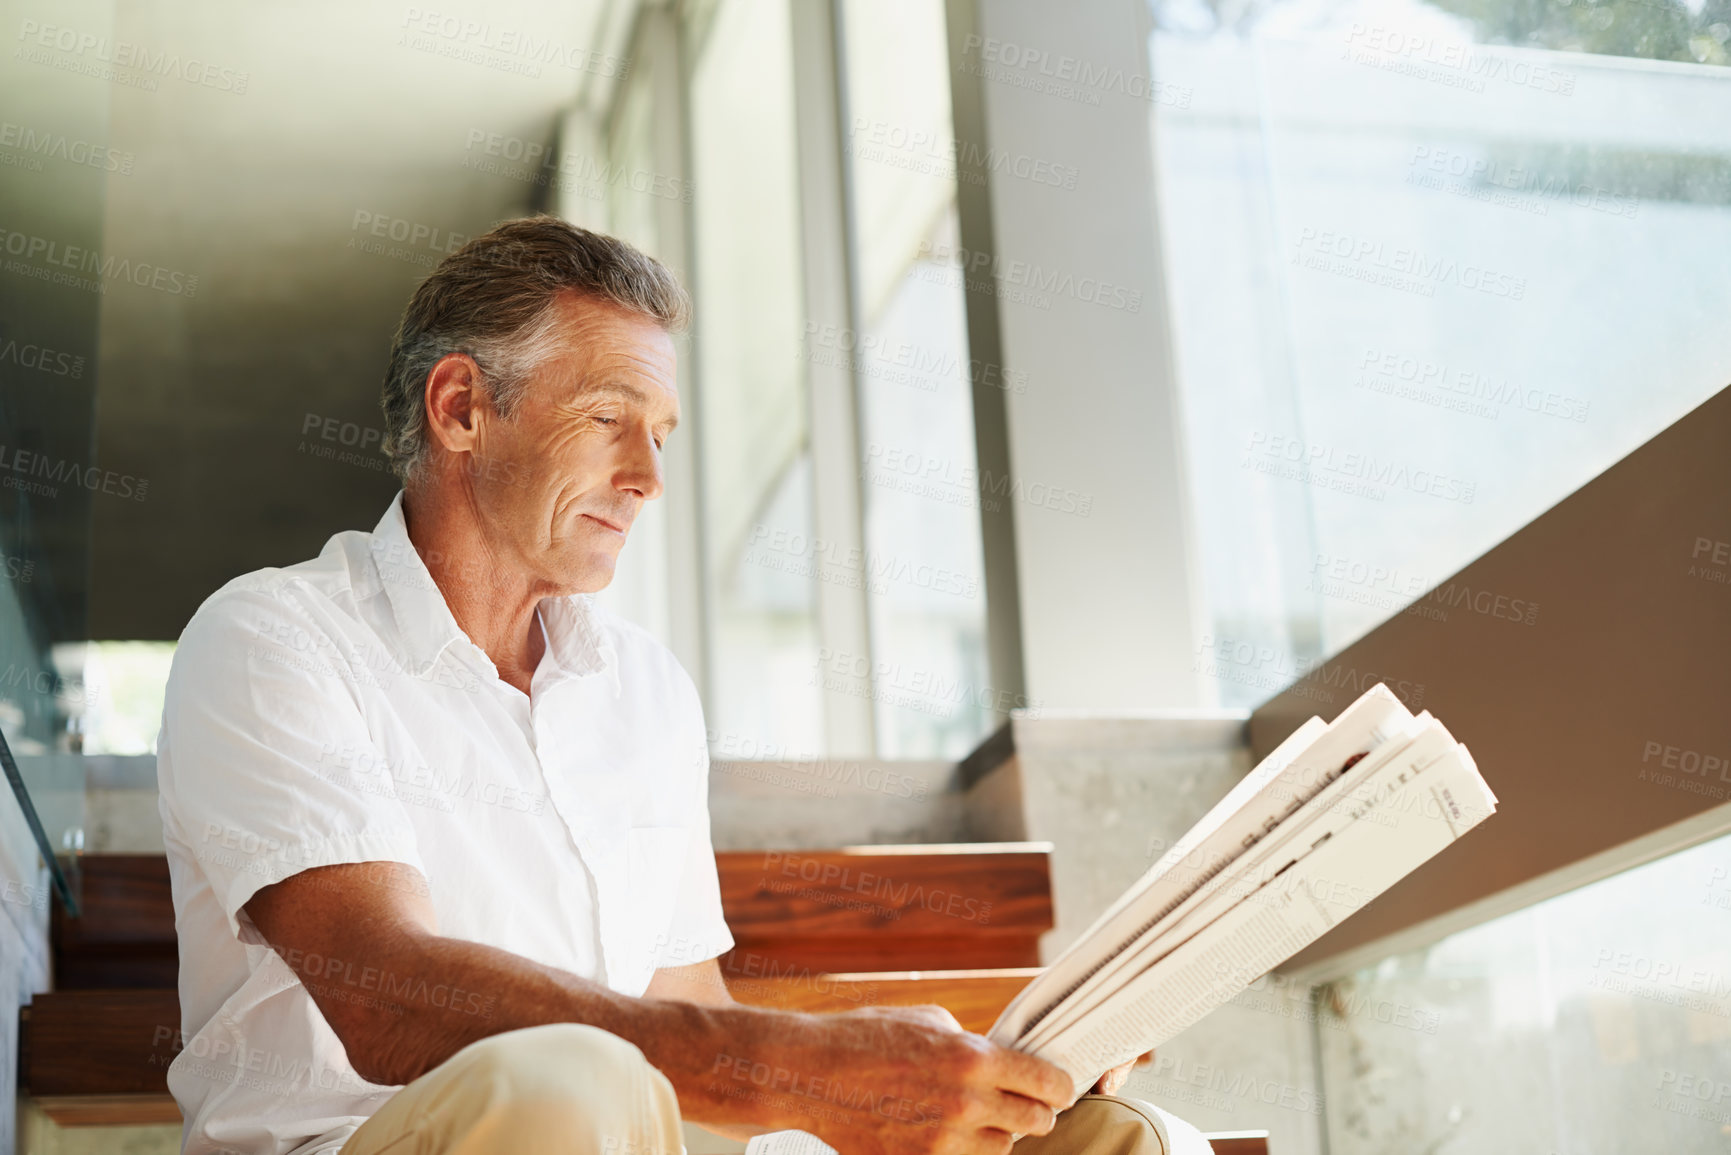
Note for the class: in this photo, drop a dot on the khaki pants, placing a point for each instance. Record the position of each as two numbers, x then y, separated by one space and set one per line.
577 1090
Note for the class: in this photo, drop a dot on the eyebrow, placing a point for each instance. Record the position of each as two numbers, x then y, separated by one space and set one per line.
629 393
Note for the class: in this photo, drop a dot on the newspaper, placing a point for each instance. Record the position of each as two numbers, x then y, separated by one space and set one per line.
1333 817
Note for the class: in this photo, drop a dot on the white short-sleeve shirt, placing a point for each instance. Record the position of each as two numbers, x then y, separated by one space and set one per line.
334 712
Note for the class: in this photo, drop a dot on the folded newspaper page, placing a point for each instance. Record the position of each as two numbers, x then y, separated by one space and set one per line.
1333 817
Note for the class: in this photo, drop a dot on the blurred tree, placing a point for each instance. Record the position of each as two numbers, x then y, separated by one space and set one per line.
1696 31
1649 29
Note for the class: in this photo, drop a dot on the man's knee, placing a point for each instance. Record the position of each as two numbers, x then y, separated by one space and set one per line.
1100 1125
578 1077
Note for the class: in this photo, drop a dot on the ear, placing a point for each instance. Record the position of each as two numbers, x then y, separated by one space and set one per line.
454 399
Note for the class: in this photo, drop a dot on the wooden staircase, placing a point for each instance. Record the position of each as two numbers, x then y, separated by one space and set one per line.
815 930
830 930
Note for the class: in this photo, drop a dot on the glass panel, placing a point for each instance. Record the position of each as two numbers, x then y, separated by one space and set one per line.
639 590
922 567
1425 286
56 161
1598 1021
764 697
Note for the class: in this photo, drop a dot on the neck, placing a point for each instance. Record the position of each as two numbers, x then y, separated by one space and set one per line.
493 601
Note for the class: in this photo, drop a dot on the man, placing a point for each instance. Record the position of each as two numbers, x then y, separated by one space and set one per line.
437 825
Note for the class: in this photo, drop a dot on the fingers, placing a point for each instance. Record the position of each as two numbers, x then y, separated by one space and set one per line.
1022 1116
943 1020
928 1015
1113 1081
1022 1074
991 1141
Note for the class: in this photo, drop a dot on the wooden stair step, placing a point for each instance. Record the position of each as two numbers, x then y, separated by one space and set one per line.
975 997
890 908
99 1042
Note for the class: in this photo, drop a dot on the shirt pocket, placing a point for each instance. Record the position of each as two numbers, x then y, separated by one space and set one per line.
655 868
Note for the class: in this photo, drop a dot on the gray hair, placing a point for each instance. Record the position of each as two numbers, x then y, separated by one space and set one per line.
496 300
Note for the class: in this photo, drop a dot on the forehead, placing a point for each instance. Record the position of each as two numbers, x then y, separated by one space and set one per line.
607 345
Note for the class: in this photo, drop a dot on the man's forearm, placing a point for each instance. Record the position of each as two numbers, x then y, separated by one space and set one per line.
403 1010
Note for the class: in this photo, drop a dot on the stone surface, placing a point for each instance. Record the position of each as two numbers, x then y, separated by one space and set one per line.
841 802
122 821
40 1135
1113 793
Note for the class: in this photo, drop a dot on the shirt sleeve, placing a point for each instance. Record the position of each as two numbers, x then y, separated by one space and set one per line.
699 931
266 766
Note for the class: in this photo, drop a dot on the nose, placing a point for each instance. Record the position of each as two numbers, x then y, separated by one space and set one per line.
640 469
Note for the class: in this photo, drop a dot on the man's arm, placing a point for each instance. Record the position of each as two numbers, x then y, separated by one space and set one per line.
700 983
402 998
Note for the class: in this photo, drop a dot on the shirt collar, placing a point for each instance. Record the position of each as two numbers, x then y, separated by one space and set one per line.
576 643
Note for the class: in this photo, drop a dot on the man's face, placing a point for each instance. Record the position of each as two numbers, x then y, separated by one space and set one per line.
558 485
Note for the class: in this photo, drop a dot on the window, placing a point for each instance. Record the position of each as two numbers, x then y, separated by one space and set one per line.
755 457
1597 1021
922 567
1386 230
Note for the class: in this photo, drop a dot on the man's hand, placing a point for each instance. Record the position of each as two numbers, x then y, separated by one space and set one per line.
1112 1081
902 1081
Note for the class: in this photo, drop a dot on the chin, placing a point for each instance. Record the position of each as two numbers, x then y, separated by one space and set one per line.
590 575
